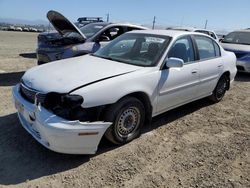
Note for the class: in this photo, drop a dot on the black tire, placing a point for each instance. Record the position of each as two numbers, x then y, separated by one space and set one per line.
128 117
220 89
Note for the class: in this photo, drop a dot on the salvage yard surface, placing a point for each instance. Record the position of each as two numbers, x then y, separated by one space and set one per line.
198 145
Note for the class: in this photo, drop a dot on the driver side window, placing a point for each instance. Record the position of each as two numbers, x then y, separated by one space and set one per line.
183 49
111 33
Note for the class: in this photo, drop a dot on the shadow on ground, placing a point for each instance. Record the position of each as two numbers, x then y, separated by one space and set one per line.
28 55
242 77
22 158
10 79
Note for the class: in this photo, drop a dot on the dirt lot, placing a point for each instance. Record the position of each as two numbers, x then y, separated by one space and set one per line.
198 145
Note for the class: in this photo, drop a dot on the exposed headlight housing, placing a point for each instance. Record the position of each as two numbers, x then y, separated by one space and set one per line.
64 105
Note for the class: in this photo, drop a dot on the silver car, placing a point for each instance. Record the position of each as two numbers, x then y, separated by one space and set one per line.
71 41
239 43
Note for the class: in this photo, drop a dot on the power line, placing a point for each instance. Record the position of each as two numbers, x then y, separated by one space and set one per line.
206 24
107 17
154 23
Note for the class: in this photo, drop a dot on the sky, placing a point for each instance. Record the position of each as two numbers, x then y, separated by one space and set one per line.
221 14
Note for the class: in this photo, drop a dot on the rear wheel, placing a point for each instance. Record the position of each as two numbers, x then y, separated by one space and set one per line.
128 116
220 89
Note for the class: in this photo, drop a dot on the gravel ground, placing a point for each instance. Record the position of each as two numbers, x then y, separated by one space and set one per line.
198 145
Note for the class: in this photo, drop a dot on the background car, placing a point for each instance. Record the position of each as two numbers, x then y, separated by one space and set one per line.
26 29
193 29
11 28
53 35
82 21
239 43
112 92
32 29
76 41
18 29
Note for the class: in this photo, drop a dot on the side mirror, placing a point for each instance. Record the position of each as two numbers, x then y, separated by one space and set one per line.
173 62
103 38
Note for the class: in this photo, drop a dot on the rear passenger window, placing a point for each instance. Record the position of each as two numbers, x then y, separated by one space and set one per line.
206 47
133 28
217 50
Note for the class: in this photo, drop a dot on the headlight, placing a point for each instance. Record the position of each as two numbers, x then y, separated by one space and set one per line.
63 105
71 101
246 58
63 100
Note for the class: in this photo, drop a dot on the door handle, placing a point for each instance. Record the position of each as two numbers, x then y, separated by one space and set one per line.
194 72
219 66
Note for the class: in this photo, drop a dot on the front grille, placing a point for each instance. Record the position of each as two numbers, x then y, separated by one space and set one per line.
240 68
30 94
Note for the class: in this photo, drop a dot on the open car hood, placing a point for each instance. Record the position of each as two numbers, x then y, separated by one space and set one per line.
62 24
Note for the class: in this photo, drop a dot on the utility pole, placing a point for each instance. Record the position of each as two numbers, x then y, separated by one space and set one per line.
206 24
154 23
107 17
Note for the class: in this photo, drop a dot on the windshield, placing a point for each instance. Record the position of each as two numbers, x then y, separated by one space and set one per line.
88 30
237 38
135 49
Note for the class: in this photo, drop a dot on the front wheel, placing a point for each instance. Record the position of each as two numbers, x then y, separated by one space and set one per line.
128 116
220 89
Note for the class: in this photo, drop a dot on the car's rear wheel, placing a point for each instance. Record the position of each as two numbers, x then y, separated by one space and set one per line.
220 89
128 116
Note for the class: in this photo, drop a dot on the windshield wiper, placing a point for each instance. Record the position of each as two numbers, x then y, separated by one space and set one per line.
235 43
108 58
104 57
227 42
243 43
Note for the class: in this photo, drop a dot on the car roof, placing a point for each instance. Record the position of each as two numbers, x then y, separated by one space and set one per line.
117 24
170 33
182 28
192 29
243 30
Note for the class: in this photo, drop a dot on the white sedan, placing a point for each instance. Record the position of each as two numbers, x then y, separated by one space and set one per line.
68 105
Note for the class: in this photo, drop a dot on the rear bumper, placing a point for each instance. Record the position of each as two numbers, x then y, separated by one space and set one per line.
58 134
243 66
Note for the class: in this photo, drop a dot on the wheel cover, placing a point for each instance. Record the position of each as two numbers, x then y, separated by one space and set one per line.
221 89
128 122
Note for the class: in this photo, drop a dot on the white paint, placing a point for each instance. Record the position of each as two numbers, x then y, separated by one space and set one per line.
166 89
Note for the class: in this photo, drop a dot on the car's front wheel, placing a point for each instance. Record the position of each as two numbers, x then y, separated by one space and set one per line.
128 116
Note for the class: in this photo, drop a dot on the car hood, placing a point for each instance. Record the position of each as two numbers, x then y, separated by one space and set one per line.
236 47
69 74
62 24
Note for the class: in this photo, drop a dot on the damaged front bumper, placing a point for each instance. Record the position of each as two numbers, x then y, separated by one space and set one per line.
56 133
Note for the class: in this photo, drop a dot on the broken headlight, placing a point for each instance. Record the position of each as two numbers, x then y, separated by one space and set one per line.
64 105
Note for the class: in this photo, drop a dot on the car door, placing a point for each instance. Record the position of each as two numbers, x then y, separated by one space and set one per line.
210 61
179 85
